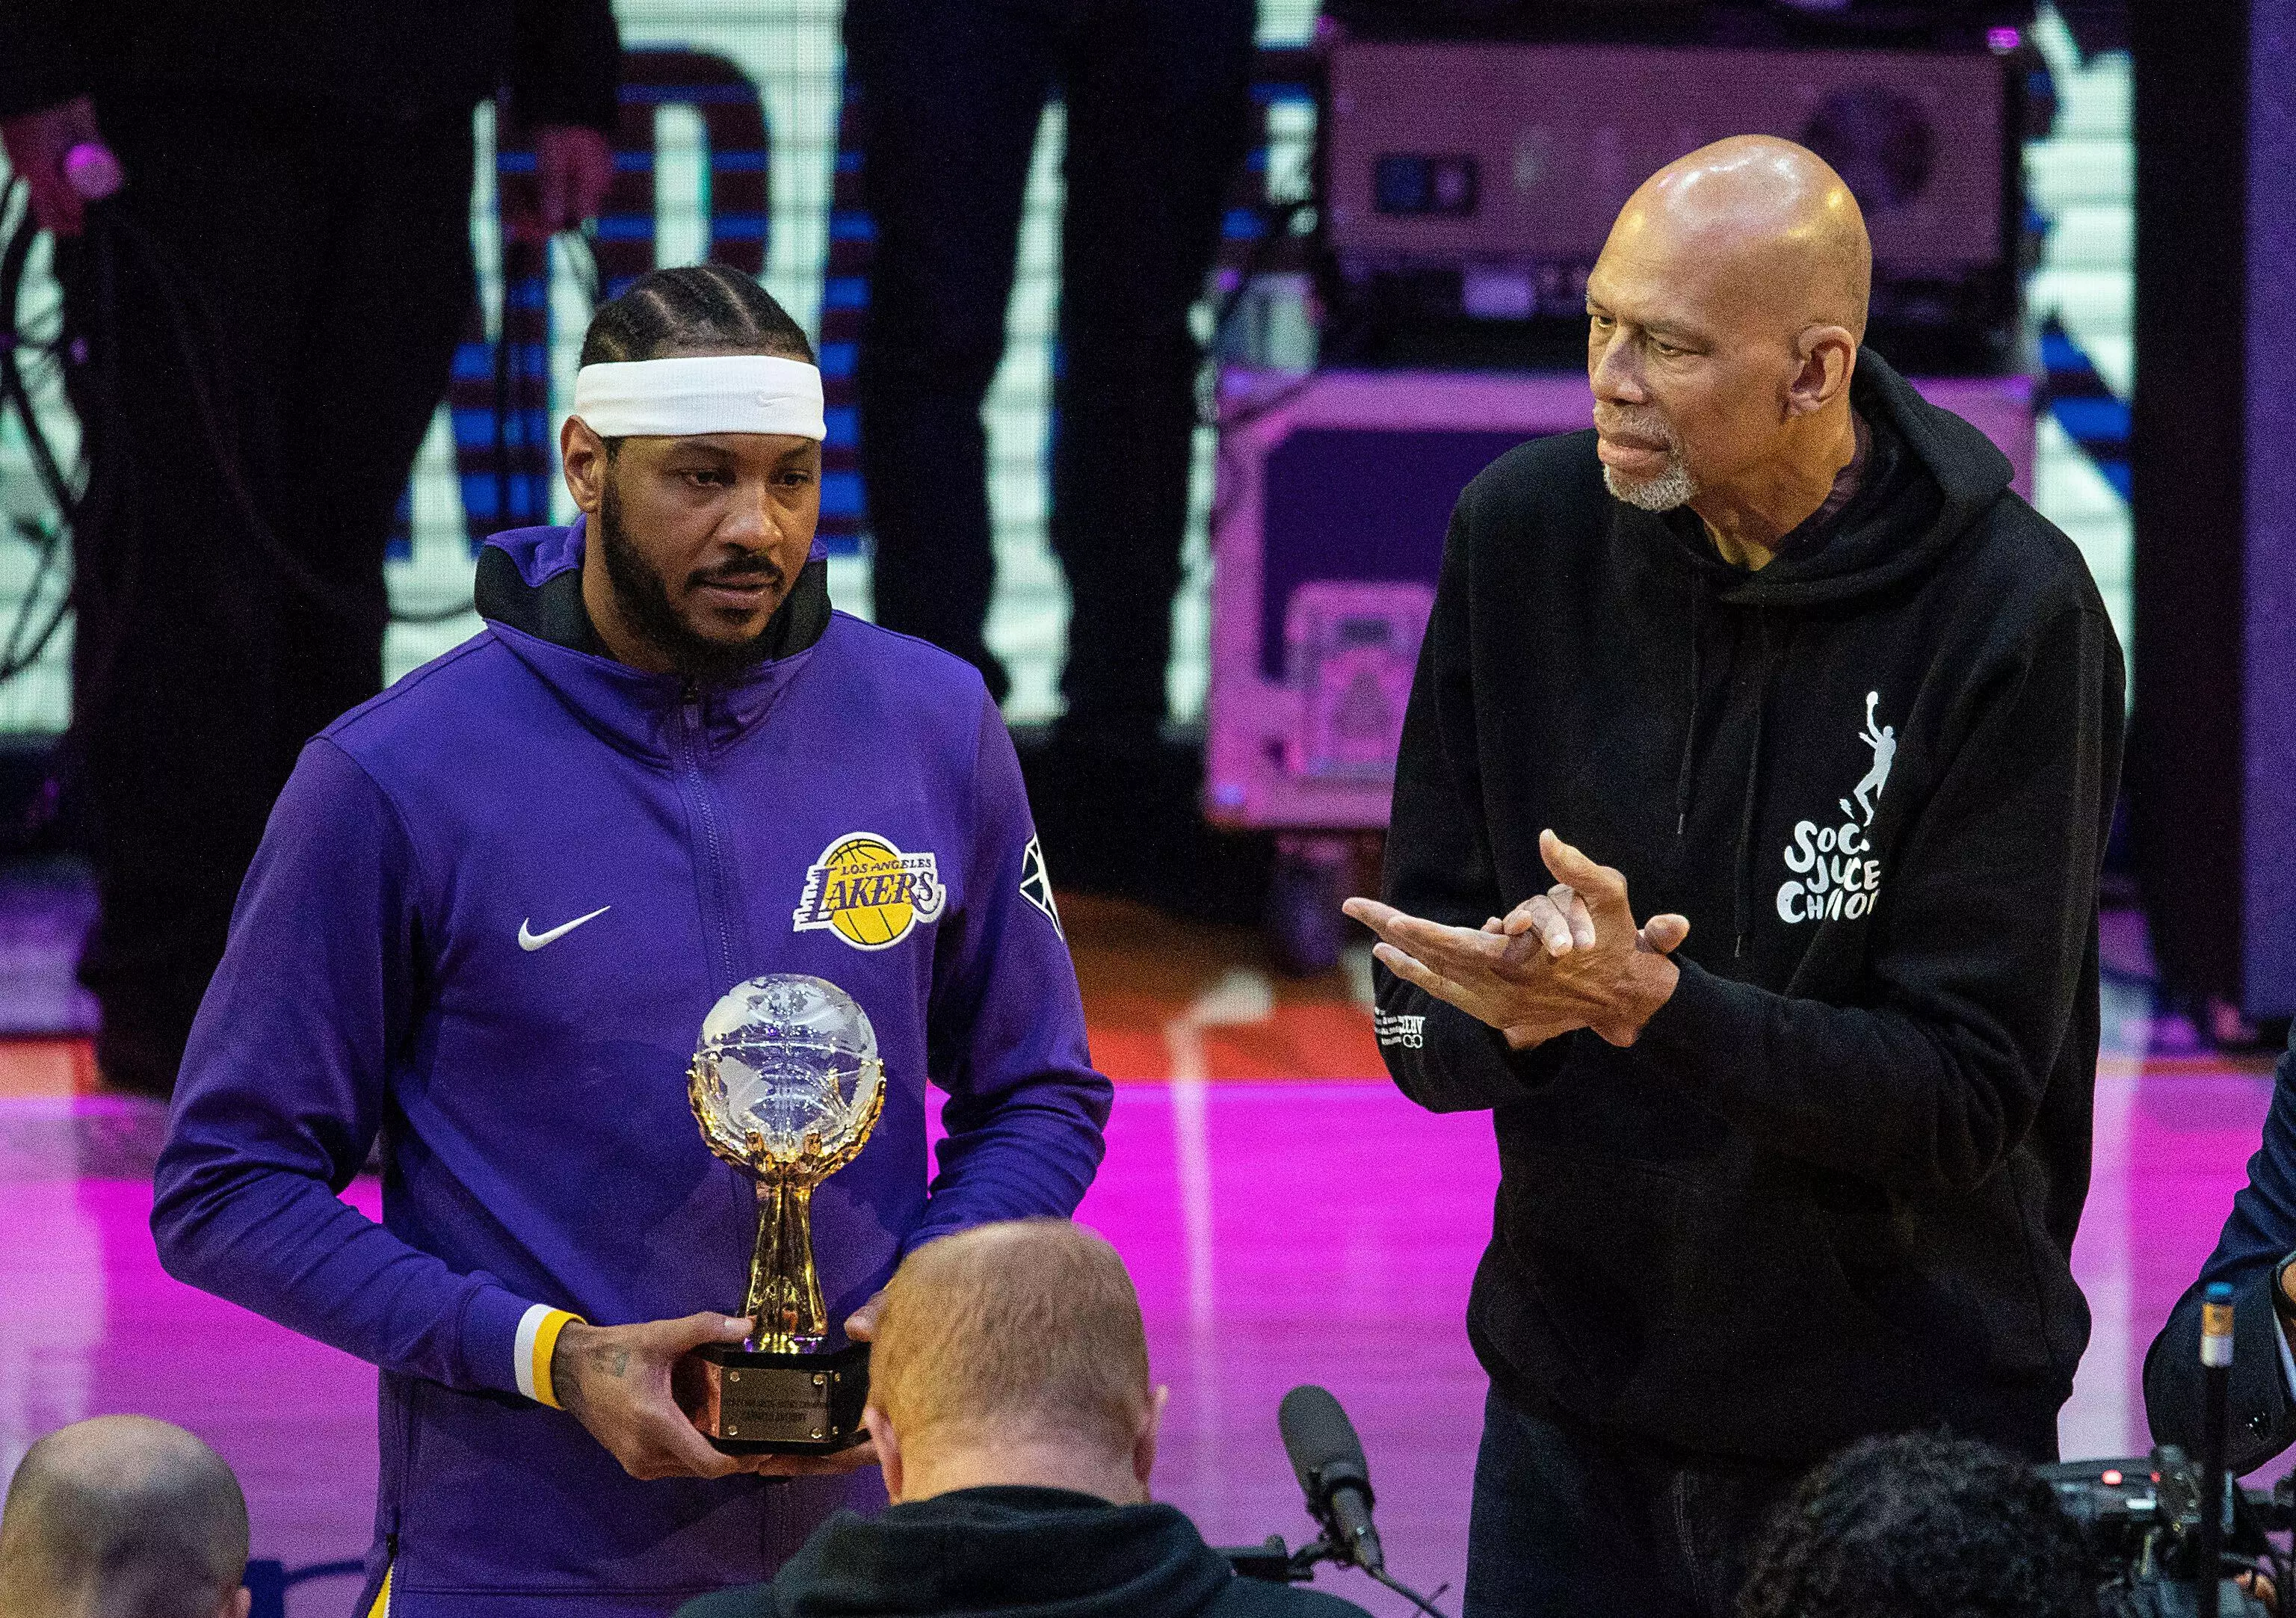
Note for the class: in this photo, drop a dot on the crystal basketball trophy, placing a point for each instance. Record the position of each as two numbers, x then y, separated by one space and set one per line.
786 1085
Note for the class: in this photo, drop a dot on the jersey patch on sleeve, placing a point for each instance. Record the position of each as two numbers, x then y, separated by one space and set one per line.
1037 885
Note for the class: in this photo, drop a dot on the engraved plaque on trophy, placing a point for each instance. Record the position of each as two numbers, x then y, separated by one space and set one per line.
786 1085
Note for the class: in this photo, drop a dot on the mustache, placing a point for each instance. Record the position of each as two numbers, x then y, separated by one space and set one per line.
744 570
1635 421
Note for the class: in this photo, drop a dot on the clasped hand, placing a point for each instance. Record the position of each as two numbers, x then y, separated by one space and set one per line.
1569 958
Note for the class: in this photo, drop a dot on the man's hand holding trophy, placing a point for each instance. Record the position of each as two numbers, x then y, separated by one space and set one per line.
786 1085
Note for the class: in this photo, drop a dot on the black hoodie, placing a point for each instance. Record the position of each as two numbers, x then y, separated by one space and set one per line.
1832 1188
1014 1553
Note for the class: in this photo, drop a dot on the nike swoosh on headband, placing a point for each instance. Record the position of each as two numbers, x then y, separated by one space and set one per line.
530 941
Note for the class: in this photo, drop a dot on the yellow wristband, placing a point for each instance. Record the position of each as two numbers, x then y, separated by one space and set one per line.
537 1337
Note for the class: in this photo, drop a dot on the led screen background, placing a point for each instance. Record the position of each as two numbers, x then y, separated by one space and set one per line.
2079 179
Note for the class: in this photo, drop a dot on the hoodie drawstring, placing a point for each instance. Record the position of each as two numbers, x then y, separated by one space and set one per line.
1689 736
1743 901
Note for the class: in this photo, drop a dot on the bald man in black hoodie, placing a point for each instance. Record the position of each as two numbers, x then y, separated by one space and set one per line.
1800 1158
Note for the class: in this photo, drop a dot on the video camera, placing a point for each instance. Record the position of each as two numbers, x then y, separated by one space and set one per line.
2145 1518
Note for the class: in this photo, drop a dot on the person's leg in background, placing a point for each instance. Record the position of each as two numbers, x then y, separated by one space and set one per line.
1560 1525
1721 1509
1159 119
1569 1519
395 292
169 757
952 94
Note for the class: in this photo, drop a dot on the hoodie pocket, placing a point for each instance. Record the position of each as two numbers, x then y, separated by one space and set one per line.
1601 1244
1709 1308
512 1497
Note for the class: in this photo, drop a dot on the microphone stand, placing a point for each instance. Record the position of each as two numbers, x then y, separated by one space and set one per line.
1328 1457
1407 1593
2215 1375
1271 1563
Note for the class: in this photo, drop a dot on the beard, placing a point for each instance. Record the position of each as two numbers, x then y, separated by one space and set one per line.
645 606
1670 488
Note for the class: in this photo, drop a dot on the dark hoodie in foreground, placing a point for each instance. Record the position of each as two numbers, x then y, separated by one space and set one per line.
1014 1553
1832 1190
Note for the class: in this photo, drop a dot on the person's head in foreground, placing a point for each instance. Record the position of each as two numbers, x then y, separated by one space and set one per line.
1922 1526
1013 1353
123 1517
700 528
1010 1400
1724 319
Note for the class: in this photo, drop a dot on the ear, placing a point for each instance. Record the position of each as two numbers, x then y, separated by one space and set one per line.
583 455
241 1600
889 1450
1828 357
1144 1438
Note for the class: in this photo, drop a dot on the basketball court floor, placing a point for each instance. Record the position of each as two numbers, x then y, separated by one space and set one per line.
1288 1218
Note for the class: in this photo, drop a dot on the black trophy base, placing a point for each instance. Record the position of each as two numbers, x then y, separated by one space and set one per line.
747 1402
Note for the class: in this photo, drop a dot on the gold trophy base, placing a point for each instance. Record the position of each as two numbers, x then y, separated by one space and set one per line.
751 1401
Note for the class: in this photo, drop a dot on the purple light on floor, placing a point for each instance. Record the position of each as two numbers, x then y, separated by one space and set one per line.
1279 1233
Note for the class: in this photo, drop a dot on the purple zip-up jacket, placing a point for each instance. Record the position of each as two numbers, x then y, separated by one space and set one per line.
400 962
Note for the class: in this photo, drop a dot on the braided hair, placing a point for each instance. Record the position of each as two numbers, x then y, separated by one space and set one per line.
692 308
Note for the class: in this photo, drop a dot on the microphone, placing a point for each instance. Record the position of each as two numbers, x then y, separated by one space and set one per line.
92 171
1329 1459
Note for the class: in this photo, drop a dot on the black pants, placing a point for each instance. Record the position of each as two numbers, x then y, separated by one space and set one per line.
1158 106
325 257
1570 1521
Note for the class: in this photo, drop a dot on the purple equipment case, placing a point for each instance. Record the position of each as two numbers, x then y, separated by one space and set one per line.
1334 491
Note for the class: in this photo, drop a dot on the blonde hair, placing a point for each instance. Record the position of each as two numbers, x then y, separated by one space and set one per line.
1028 1327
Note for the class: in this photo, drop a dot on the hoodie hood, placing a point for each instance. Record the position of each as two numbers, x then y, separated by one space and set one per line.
1876 550
528 588
1004 1553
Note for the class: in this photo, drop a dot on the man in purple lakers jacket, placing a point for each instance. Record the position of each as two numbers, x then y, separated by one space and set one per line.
488 918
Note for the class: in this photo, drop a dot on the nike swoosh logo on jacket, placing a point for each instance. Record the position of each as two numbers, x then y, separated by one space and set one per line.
530 941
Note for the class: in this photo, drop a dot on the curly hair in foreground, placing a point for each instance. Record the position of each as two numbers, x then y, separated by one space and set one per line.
1921 1526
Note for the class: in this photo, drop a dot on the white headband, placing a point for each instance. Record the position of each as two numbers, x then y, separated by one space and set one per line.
717 393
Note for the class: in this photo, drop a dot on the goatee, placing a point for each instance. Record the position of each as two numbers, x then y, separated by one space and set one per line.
1646 423
1671 489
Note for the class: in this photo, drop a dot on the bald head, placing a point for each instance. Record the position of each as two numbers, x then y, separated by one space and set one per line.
1029 1324
1755 221
1725 317
122 1516
1012 1353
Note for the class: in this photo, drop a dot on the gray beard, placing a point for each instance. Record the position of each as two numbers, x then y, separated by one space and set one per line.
1671 489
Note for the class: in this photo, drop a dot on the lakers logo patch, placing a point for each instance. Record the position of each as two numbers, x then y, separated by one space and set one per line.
868 892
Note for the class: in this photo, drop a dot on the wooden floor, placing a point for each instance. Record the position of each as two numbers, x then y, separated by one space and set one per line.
1287 1216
